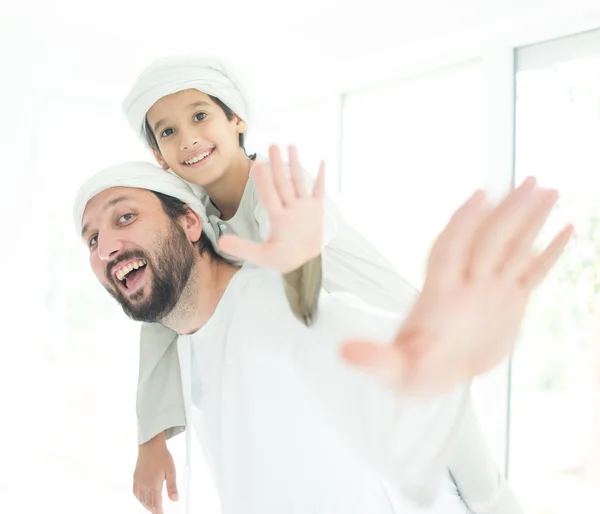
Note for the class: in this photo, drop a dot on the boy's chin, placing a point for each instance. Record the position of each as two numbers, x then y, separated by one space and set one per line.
201 177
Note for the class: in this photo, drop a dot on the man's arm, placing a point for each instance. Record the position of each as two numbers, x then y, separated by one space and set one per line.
477 477
481 272
406 439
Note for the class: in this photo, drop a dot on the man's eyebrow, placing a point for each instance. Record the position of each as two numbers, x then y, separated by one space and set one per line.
108 205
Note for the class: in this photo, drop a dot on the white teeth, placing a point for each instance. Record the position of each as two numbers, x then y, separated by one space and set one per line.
124 271
198 158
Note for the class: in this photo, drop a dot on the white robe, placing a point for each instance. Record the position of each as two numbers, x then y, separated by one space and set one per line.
287 426
351 264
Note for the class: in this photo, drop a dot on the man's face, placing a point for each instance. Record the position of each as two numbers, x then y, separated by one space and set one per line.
140 256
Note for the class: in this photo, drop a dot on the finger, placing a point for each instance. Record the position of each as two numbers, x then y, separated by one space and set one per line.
157 501
172 485
518 254
242 249
150 500
499 229
380 360
144 498
136 492
450 251
282 180
319 187
265 187
542 264
296 173
158 507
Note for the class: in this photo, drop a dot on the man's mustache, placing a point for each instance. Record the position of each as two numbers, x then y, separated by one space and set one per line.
125 256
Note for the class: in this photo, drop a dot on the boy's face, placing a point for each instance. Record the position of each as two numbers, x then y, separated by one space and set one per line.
195 138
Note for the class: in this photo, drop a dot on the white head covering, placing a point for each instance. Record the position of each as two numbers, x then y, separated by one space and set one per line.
143 175
170 75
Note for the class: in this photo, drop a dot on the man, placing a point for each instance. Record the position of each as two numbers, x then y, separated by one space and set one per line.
286 424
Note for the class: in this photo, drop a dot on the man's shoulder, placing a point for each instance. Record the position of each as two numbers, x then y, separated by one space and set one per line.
261 294
257 282
254 275
348 316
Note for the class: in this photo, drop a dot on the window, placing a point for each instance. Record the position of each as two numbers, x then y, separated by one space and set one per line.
315 130
555 406
412 151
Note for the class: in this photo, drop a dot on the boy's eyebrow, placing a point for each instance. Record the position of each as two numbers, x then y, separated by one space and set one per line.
194 105
112 203
199 104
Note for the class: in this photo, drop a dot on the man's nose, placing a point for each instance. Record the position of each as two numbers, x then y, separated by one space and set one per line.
109 246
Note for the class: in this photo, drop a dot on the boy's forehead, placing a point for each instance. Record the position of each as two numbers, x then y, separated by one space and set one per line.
185 99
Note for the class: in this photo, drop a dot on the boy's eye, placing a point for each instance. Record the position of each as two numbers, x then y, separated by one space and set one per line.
200 116
166 132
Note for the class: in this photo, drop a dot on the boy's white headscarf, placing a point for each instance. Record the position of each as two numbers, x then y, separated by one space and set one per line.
170 75
143 175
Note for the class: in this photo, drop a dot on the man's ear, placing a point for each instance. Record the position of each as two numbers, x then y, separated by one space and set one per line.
191 224
159 159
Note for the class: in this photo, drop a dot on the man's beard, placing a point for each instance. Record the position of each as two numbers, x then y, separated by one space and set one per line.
171 266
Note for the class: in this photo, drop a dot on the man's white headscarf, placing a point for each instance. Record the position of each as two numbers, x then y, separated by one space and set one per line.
170 75
143 175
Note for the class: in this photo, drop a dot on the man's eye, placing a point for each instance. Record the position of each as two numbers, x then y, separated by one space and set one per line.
126 217
93 241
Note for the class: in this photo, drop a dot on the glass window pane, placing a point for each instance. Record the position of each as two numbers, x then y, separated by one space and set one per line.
315 130
555 404
412 151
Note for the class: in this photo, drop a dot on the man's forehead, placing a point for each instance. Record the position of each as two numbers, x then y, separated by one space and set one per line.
111 197
108 196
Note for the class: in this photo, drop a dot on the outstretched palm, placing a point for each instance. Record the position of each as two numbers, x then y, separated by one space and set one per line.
296 217
481 272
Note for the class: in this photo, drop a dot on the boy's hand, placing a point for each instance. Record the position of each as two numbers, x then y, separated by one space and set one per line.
154 466
296 217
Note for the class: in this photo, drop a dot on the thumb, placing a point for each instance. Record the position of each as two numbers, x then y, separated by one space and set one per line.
382 360
171 480
241 248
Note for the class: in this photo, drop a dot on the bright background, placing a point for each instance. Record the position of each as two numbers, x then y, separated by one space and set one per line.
412 105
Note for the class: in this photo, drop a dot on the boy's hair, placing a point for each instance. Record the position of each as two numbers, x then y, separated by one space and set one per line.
229 114
175 209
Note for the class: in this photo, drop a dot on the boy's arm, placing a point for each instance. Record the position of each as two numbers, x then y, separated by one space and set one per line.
294 226
302 289
160 406
161 415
